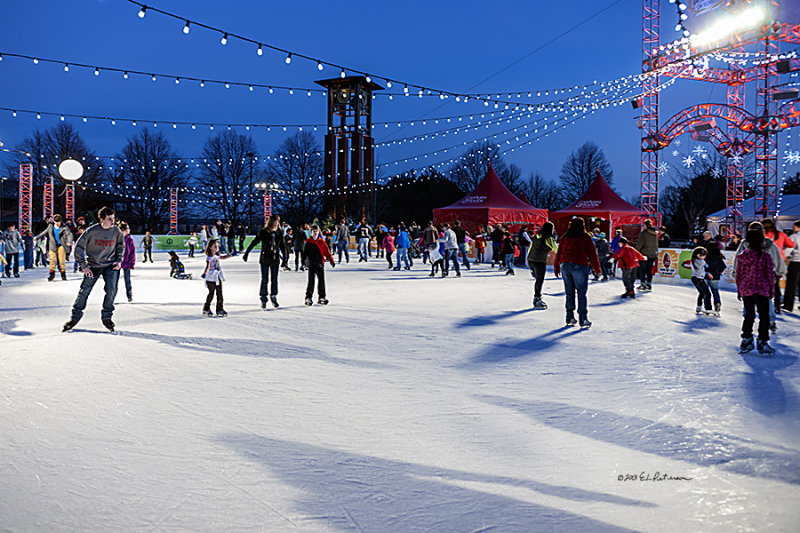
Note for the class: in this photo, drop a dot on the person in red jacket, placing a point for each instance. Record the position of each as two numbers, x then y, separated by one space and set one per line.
781 241
315 252
628 258
576 255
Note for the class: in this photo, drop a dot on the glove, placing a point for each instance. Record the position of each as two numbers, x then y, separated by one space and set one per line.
244 257
333 265
739 297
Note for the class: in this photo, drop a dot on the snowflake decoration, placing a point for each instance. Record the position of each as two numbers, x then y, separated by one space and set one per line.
675 153
688 161
716 172
792 158
663 168
677 142
736 160
704 156
699 151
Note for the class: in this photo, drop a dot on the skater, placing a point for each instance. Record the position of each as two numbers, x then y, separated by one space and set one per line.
147 245
450 252
699 277
603 253
59 240
99 252
214 278
299 243
12 239
541 244
287 246
793 272
461 241
783 242
241 232
507 251
755 286
480 245
523 241
575 257
315 252
613 249
388 246
343 240
497 237
647 245
363 236
402 244
192 242
271 240
715 266
230 233
176 268
777 263
78 232
628 259
202 237
128 258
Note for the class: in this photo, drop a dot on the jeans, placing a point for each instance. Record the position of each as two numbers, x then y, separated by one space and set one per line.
497 256
222 249
462 247
629 278
751 303
343 246
12 258
538 268
317 272
111 278
451 254
703 293
778 299
576 279
126 275
148 252
713 285
523 253
402 255
269 274
509 262
232 245
646 270
213 288
191 250
363 246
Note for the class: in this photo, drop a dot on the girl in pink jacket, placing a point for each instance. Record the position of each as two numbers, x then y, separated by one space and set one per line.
755 286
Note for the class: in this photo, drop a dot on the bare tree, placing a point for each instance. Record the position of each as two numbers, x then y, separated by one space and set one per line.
580 168
296 167
472 166
695 194
542 193
226 170
151 167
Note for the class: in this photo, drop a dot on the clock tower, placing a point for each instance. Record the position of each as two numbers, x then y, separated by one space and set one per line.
349 159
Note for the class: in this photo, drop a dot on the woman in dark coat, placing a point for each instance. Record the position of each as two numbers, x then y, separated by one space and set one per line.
271 239
576 255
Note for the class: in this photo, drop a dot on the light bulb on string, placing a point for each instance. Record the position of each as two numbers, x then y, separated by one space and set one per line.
125 75
259 51
66 67
342 74
153 77
143 12
35 61
288 59
319 65
177 81
186 28
96 71
224 40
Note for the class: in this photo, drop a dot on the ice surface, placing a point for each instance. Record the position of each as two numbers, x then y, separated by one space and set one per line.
407 404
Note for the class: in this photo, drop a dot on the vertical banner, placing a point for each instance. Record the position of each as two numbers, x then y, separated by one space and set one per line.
48 197
70 193
25 196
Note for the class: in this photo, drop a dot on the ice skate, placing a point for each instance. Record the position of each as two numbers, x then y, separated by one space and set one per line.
109 324
571 321
585 324
309 301
207 312
538 303
222 313
698 310
322 301
274 300
69 325
764 348
746 345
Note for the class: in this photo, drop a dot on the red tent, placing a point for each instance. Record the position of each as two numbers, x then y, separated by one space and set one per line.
490 203
600 202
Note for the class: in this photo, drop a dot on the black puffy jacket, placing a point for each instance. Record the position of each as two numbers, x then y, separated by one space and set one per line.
271 245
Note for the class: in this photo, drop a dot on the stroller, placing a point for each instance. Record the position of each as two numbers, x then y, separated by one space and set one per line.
177 269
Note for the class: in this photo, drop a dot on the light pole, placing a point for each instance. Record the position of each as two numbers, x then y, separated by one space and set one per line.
70 170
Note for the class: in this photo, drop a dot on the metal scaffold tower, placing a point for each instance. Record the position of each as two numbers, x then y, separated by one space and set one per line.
25 197
753 24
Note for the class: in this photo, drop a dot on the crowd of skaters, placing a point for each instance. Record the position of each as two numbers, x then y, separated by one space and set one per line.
106 249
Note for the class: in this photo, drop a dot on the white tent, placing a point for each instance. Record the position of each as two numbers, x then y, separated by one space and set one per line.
788 212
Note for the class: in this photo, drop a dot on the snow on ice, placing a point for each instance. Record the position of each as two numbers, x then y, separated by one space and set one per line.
407 404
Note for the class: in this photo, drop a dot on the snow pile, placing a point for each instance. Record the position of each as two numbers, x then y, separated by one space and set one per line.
407 404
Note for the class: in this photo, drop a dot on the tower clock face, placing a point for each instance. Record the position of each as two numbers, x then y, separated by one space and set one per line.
342 96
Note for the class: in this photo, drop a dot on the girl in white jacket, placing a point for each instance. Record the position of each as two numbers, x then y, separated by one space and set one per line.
214 278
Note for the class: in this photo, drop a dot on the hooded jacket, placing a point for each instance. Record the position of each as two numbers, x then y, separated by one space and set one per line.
316 252
755 274
771 249
628 257
647 243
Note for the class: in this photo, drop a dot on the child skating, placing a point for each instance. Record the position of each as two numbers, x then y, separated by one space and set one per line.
214 278
315 252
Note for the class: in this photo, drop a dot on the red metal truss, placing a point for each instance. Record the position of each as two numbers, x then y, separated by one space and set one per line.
734 176
173 211
70 196
766 178
25 196
649 119
47 197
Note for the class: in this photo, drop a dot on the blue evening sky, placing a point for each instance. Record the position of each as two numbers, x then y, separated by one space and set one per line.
445 45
